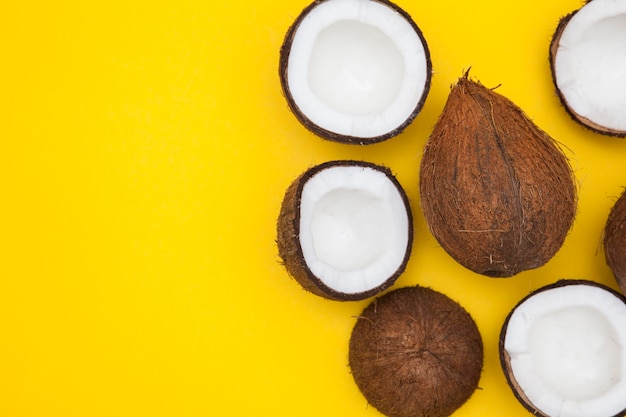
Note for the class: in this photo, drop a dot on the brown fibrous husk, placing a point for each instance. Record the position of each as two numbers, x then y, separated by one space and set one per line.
288 235
497 192
615 241
414 352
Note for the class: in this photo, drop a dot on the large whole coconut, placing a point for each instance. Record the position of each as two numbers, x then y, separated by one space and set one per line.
615 241
414 352
497 192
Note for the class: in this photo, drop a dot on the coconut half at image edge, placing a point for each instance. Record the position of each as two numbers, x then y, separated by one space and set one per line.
414 352
345 230
588 61
355 71
563 350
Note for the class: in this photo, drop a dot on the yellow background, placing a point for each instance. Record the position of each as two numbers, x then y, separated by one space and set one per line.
145 148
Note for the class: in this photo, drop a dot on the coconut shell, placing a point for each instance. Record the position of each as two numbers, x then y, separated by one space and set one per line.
283 70
497 192
615 241
288 236
584 121
414 352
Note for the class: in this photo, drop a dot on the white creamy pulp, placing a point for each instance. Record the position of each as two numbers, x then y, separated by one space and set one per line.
355 68
351 229
574 351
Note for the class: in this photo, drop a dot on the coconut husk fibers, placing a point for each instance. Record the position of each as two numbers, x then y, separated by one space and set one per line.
615 241
414 352
288 235
582 120
505 359
283 71
497 192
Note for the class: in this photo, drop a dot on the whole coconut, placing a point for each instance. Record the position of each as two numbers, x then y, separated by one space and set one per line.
615 241
414 352
497 192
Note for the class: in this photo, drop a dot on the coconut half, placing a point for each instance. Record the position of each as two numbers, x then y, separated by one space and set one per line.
414 352
345 230
355 71
563 350
588 61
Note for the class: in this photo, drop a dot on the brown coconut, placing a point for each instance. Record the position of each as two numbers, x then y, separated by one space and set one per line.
497 192
290 231
414 352
615 241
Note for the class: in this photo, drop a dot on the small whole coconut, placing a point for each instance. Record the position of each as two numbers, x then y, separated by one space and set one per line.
587 59
414 352
497 192
355 71
345 229
563 350
615 241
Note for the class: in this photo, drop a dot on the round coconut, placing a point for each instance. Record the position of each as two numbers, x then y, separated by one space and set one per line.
587 60
355 71
563 350
345 229
615 241
414 352
497 192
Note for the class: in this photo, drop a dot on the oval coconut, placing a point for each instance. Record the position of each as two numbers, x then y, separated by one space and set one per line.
563 350
615 241
497 192
355 71
587 63
345 230
414 352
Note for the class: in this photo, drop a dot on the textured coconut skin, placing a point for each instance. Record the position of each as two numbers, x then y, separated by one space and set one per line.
288 236
283 69
615 241
554 47
505 360
414 352
497 192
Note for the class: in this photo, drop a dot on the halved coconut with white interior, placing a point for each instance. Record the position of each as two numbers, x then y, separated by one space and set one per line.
563 350
588 61
355 71
345 230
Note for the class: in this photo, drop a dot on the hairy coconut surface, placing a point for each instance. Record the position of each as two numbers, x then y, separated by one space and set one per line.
587 60
615 241
414 352
563 350
345 229
497 192
355 71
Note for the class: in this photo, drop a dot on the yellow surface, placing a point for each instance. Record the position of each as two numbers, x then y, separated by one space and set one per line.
145 149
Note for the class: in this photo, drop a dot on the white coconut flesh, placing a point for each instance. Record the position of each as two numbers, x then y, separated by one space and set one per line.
354 228
567 349
356 68
590 63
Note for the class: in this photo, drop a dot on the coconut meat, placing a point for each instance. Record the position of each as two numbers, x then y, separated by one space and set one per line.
590 63
356 67
567 351
353 228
